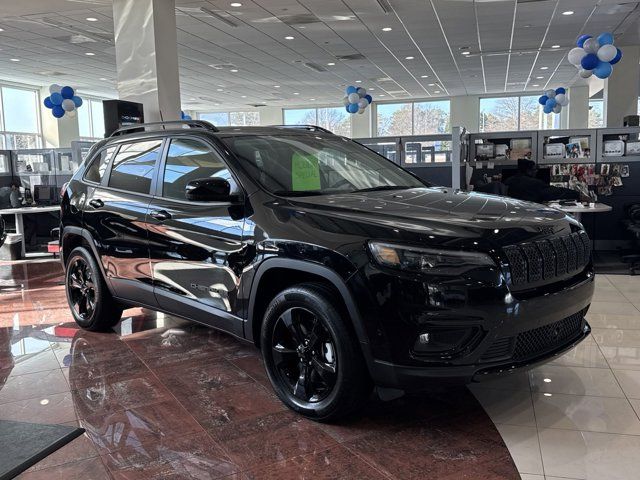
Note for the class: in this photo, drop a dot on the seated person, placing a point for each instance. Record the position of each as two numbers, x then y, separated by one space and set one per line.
525 186
10 196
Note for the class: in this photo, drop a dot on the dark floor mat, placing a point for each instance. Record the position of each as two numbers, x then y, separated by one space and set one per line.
24 444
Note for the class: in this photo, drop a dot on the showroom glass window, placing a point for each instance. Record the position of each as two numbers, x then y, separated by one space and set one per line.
188 160
413 118
133 166
231 119
500 114
596 113
334 119
91 119
20 126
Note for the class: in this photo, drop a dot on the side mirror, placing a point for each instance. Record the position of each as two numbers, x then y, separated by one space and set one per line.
214 189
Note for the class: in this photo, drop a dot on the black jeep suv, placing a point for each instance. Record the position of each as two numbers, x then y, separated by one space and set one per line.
346 270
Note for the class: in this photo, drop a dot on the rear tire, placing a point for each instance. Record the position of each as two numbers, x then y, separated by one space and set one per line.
311 355
91 303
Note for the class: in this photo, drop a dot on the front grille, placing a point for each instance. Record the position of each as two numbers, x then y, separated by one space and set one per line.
536 342
548 259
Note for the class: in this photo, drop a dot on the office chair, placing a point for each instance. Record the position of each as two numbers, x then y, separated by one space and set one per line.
632 224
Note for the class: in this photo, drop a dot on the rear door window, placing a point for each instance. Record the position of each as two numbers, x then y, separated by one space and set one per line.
134 165
98 166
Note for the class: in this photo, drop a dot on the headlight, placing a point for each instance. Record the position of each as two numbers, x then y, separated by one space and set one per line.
427 260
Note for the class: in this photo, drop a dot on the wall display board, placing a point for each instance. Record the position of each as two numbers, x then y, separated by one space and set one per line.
502 148
566 146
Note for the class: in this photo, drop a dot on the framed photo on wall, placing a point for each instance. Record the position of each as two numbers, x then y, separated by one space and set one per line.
554 150
485 150
633 148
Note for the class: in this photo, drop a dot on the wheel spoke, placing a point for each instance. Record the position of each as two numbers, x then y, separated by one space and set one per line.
316 331
284 355
75 283
326 371
293 326
302 388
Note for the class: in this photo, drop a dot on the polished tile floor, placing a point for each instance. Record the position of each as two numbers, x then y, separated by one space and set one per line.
578 417
164 399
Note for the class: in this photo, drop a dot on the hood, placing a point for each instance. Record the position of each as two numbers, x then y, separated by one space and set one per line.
419 207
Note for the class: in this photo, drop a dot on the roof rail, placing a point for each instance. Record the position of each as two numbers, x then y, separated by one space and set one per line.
311 128
190 123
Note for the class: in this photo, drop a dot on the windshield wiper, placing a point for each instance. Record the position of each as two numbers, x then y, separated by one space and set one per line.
383 187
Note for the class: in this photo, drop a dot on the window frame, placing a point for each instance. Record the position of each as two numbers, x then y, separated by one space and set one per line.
158 188
519 114
87 104
413 116
228 114
4 133
94 159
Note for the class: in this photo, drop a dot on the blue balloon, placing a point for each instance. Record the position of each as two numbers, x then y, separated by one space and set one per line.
605 39
369 98
77 101
56 98
617 58
188 117
67 92
47 103
582 39
551 102
560 91
353 107
57 111
351 89
547 109
603 70
543 99
590 61
346 107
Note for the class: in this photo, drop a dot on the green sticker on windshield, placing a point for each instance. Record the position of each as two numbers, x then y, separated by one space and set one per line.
305 173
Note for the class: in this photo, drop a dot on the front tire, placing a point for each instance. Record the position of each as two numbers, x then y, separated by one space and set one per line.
91 303
312 358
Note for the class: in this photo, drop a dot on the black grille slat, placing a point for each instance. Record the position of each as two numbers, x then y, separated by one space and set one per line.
534 261
501 348
544 339
547 259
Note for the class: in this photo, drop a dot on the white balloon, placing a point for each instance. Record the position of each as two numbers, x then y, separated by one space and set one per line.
591 45
71 114
576 55
585 73
557 108
606 53
550 93
360 111
362 103
68 105
353 98
560 98
565 102
345 100
55 88
361 92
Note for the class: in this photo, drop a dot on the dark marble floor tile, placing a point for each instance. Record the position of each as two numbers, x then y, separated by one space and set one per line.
136 426
232 404
53 408
38 360
333 464
91 468
80 448
193 456
254 367
33 385
271 438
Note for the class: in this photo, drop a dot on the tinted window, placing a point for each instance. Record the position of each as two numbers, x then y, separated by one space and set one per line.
96 170
133 166
189 160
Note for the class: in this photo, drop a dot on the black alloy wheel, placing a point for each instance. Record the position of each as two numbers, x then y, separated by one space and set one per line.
304 355
82 289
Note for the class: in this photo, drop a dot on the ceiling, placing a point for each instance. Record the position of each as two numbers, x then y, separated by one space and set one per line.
510 44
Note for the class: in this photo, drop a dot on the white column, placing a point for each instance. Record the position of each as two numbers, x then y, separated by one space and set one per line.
465 112
147 56
57 132
578 108
361 125
271 116
622 88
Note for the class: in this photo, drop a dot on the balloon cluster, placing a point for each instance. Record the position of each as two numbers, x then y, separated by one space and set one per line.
553 100
184 116
356 100
63 100
595 56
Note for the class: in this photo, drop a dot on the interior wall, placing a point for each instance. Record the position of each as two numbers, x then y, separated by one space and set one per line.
465 112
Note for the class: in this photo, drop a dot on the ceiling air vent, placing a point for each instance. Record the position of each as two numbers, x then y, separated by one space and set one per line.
315 67
226 19
257 105
350 57
300 19
385 6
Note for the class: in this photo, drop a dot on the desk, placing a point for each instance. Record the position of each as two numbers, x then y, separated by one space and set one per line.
578 209
18 212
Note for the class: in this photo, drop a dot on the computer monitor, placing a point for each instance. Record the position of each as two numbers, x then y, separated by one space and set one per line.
44 194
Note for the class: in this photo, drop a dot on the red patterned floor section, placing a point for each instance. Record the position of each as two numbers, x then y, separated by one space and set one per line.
163 398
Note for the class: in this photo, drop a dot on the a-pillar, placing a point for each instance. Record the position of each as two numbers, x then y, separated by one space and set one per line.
147 56
622 88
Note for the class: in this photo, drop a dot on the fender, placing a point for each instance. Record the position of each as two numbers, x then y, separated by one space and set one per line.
321 271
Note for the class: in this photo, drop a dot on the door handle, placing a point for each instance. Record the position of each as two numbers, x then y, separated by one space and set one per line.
96 203
160 215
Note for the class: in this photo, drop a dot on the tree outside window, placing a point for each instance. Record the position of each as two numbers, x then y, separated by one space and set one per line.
596 114
413 118
334 119
501 114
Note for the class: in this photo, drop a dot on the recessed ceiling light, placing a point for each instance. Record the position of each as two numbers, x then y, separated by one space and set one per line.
331 64
312 99
436 91
371 89
381 95
289 37
103 79
466 52
234 70
296 93
236 4
276 86
89 54
192 98
92 19
539 77
1 29
408 58
424 76
431 84
387 29
358 81
568 12
14 59
544 68
219 90
555 46
243 96
535 85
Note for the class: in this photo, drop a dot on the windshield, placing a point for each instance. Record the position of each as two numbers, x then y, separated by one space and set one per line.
313 165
